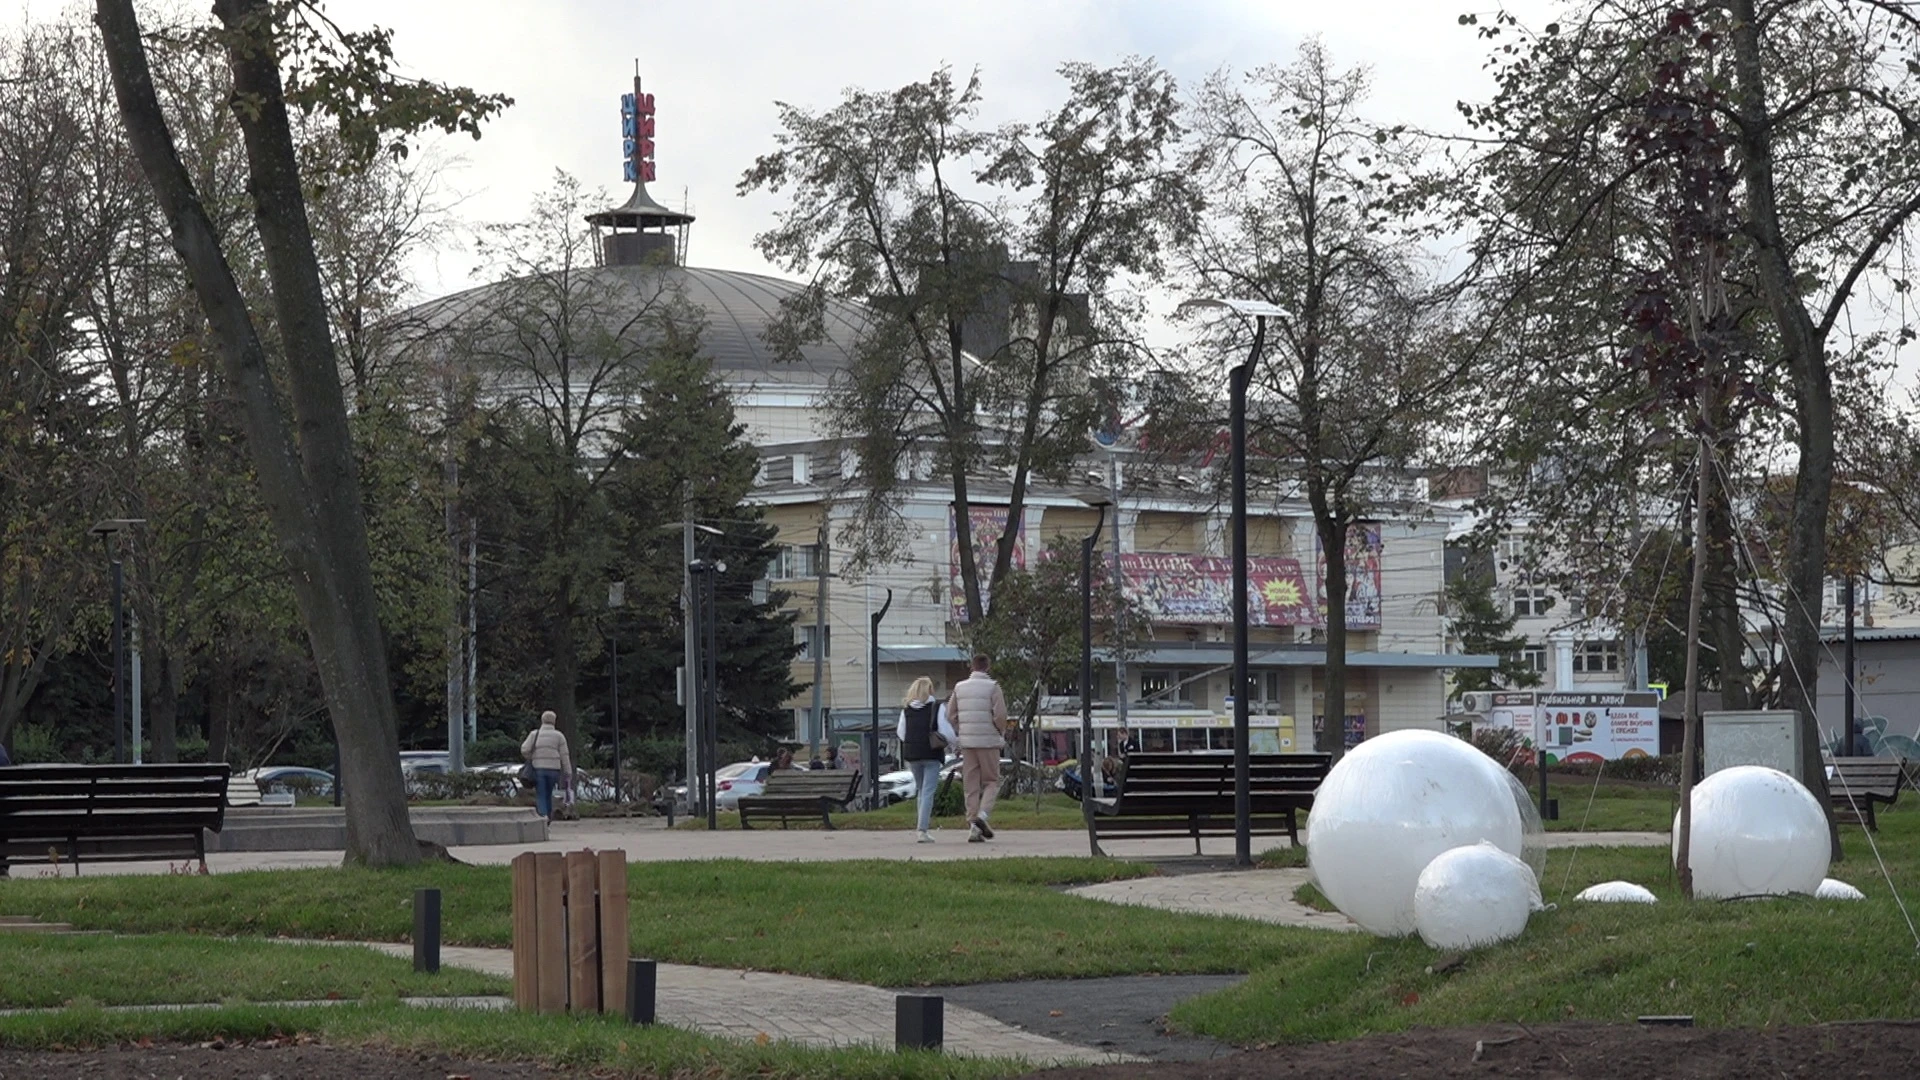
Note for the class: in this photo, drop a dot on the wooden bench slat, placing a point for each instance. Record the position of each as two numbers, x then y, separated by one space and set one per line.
1191 794
108 813
801 793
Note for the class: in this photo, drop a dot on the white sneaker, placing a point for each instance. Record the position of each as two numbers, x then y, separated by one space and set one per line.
925 837
974 837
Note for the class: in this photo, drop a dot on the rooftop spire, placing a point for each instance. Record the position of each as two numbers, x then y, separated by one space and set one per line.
649 241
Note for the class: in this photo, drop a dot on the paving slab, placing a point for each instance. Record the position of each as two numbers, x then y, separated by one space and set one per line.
792 1008
1261 895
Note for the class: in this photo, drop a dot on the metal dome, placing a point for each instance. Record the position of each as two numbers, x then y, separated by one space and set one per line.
737 307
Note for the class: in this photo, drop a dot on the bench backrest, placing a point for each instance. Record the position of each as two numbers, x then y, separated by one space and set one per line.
1863 775
813 783
40 801
1211 773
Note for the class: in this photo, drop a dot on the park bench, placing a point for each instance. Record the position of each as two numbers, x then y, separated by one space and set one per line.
109 813
1857 784
803 793
1191 795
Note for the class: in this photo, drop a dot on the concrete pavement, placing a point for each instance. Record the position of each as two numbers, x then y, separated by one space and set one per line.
648 840
790 1008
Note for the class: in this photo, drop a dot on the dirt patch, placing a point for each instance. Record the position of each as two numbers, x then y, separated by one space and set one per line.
1564 1052
270 1060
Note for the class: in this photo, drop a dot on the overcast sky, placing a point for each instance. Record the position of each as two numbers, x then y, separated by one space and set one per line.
716 67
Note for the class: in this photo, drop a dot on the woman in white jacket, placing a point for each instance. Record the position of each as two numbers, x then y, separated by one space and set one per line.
924 735
546 750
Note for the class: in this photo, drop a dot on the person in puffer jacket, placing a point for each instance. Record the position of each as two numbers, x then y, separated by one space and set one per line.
546 751
978 710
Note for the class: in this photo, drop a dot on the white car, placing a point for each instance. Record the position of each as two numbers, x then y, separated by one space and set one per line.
730 782
897 787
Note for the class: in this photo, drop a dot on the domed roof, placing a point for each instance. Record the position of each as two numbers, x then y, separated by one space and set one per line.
737 307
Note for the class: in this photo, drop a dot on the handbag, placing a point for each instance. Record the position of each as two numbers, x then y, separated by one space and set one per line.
934 738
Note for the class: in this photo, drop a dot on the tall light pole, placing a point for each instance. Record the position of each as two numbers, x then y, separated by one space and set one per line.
616 599
109 532
1237 382
873 699
1086 675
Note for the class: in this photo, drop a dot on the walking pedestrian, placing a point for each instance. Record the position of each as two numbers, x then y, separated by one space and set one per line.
978 709
924 734
546 750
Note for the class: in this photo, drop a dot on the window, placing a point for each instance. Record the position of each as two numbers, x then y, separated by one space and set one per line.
1534 659
1513 551
1530 600
1163 686
806 637
1596 657
795 561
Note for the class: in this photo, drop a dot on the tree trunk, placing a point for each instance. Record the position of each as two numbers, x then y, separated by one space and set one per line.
309 487
220 703
1804 350
1331 527
1722 603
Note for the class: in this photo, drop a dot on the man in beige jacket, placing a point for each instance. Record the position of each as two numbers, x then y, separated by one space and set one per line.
978 711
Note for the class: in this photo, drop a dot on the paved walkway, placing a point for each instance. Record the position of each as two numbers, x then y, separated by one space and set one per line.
790 1008
1263 895
648 840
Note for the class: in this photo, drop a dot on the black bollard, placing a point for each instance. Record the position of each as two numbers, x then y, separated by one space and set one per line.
426 930
919 1021
642 981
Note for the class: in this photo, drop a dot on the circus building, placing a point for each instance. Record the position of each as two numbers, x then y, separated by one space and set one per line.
1172 536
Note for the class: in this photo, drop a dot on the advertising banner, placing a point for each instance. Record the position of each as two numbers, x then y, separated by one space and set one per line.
1198 589
988 523
1365 546
1577 727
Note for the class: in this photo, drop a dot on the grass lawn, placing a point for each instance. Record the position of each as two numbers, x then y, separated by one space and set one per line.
1752 963
49 970
1054 811
598 1045
1608 807
879 922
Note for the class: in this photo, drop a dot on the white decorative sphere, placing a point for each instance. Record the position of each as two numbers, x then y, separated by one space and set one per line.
1616 892
1756 832
1391 805
1831 889
1472 896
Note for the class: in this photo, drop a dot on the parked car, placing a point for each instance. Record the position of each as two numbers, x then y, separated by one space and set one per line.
731 782
292 779
897 787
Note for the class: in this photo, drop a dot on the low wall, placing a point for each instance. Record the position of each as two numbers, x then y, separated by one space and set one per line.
288 828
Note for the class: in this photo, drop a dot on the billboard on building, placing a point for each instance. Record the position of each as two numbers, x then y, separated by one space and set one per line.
1198 589
989 522
1365 546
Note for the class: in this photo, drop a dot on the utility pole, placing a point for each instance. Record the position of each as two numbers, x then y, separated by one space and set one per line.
689 673
456 631
816 723
1120 613
1850 734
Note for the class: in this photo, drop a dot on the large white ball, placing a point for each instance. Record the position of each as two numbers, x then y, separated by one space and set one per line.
1391 805
1756 832
1472 896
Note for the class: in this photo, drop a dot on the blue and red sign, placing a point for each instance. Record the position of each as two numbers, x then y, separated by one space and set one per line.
636 134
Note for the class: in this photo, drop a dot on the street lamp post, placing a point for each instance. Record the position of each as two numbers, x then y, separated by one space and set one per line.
873 697
108 531
704 573
1086 675
1237 381
616 599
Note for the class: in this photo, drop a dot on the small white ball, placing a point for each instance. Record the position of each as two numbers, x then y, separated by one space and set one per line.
1616 892
1390 806
1756 832
1473 896
1837 890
